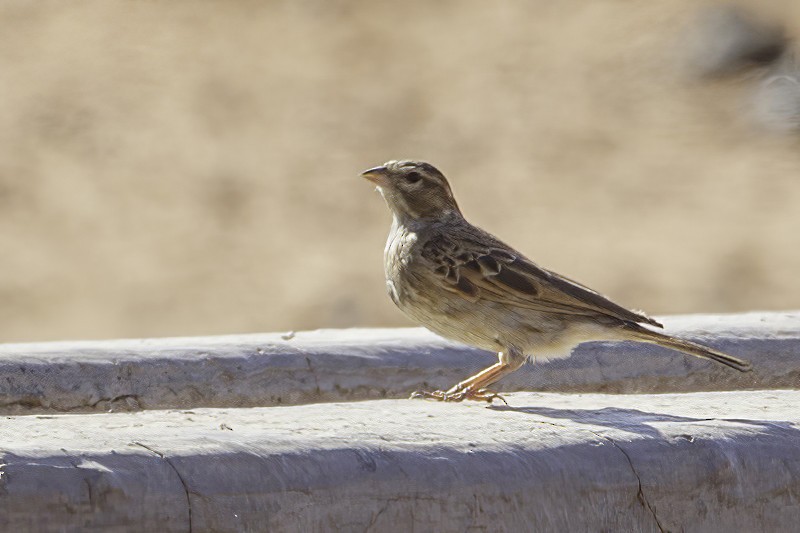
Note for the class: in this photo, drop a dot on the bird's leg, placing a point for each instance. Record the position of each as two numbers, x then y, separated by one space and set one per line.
474 388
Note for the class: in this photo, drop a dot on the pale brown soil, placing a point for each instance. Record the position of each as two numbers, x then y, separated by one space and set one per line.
187 168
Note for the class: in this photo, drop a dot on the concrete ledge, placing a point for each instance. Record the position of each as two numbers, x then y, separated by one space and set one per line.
357 364
724 461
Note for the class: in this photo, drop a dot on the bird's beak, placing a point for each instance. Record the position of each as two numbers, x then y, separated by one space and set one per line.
376 175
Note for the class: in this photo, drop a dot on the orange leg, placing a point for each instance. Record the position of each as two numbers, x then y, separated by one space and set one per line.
473 388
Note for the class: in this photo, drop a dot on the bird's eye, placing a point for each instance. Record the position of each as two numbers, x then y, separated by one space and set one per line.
413 177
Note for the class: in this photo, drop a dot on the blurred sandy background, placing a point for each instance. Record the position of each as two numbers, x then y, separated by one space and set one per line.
188 168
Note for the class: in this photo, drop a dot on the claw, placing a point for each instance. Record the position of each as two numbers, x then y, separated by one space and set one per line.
438 395
483 395
486 396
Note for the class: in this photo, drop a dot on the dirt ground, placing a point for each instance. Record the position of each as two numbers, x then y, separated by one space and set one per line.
191 168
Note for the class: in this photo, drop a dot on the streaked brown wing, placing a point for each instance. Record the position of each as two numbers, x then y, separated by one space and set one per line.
493 271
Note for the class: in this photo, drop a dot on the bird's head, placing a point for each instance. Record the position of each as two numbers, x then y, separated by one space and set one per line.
413 190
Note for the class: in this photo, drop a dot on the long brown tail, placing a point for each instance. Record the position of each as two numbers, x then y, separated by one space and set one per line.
692 348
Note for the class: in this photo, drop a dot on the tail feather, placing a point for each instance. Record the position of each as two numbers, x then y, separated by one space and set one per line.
692 348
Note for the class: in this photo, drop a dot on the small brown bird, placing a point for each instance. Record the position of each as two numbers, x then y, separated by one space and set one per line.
467 285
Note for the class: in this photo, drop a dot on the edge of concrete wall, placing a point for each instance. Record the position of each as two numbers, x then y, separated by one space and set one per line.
359 364
710 461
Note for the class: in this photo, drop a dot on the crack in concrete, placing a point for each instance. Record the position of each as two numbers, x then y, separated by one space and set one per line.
375 517
313 374
35 405
89 490
121 397
640 494
180 477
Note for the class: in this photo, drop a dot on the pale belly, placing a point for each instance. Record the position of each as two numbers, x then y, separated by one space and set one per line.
484 323
497 327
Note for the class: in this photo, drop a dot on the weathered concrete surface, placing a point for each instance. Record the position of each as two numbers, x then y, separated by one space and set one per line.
356 364
723 461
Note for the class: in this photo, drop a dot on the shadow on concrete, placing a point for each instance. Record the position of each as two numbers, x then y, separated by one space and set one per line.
631 420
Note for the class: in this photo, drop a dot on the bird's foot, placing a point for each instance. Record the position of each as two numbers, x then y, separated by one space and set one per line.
486 395
482 395
438 395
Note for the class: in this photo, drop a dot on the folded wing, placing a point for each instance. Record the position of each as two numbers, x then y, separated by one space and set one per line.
478 268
